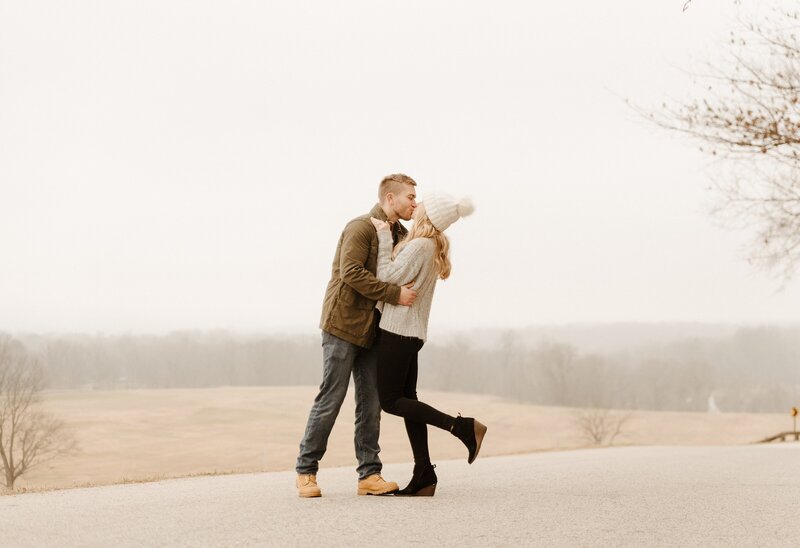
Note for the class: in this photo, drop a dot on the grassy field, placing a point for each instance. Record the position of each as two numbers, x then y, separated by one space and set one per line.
139 435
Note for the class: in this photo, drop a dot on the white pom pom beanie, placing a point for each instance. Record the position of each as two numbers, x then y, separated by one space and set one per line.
444 210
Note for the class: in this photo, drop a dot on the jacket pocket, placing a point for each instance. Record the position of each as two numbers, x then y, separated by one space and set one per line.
350 298
353 313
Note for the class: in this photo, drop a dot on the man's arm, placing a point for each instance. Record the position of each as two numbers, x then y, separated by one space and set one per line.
356 243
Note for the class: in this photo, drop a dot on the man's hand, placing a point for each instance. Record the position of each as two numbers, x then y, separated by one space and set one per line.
407 295
379 225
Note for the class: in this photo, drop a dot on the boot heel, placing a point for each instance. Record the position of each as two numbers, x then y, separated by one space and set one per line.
471 433
422 484
480 432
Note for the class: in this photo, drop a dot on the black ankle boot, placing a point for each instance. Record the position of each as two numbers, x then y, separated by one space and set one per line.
422 484
471 432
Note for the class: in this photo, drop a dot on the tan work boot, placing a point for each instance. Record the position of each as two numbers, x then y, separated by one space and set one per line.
307 486
376 485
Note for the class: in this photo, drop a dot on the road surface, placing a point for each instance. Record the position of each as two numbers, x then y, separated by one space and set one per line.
627 496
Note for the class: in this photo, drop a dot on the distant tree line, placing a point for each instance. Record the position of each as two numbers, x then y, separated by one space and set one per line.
754 370
177 360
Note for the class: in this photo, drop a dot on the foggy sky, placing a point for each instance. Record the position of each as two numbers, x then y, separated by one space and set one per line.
190 165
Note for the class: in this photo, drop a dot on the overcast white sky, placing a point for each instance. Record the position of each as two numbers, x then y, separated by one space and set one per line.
190 165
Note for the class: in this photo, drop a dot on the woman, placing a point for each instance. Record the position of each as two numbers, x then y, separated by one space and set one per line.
422 257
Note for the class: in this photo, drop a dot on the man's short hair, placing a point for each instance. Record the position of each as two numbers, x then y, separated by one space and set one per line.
393 183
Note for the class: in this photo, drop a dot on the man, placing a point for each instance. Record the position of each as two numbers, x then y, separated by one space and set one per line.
349 326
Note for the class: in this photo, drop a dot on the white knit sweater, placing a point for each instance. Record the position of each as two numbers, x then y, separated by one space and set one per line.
415 262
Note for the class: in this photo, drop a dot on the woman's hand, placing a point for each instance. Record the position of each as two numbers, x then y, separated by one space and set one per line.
379 225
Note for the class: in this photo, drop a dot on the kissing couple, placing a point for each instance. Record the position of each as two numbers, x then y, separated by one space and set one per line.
374 323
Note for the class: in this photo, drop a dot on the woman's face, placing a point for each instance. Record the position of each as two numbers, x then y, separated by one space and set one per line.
418 212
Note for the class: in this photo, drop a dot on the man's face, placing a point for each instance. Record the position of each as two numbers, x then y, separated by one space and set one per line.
404 202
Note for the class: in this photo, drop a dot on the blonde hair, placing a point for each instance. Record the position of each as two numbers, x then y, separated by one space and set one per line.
393 183
423 228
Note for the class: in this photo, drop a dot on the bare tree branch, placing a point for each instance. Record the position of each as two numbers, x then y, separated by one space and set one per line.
28 437
746 114
600 426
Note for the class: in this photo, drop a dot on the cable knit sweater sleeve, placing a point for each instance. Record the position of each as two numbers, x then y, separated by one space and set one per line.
408 263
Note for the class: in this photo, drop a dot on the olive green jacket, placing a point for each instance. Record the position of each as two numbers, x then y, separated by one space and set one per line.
348 309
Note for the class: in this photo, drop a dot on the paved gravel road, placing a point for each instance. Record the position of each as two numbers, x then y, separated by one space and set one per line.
633 496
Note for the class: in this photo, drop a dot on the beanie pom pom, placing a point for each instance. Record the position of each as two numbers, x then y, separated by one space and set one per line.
465 207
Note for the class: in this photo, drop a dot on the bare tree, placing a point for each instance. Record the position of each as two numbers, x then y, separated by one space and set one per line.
28 436
601 426
745 111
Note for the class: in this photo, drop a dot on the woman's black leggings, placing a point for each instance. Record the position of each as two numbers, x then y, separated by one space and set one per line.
397 387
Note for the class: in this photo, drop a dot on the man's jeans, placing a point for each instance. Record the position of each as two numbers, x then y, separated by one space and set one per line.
340 358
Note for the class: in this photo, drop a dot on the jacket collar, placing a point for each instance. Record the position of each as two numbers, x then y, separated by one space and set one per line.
398 230
378 213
